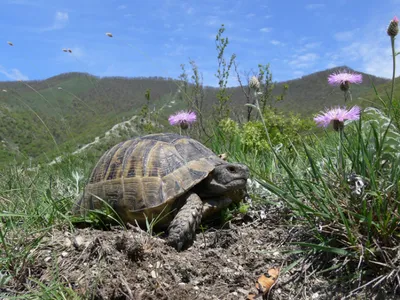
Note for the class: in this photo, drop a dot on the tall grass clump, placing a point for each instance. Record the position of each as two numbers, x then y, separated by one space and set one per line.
33 203
345 189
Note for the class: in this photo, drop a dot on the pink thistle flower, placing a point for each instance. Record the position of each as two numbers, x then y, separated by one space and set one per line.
183 119
343 77
337 116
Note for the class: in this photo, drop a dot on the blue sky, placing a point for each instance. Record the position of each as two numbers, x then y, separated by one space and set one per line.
152 38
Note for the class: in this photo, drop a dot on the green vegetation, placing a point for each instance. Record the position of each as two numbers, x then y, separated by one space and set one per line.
355 231
40 120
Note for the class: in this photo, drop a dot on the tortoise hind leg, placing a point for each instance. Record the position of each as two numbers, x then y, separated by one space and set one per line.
182 230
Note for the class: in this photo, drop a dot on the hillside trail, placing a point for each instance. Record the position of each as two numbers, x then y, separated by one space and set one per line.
125 125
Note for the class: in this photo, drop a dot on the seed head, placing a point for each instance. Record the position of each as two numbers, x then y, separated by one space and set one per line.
254 83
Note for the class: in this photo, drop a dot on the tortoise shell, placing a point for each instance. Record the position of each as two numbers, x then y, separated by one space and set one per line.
143 177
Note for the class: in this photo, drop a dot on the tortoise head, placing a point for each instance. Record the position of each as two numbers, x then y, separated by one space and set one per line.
224 178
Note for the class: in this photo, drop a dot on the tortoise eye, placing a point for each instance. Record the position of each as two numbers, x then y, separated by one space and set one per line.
232 169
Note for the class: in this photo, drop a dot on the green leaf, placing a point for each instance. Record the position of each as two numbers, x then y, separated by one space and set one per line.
334 250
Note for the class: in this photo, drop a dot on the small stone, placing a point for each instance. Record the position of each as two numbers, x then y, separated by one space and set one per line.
315 296
48 258
153 274
196 288
243 291
64 254
78 241
158 265
67 242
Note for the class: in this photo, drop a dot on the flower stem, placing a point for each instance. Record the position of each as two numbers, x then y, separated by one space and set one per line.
394 71
341 162
266 130
348 96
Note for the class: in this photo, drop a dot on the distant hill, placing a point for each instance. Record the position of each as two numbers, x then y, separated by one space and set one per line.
312 93
77 107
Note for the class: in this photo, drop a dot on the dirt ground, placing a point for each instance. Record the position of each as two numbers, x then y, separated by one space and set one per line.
223 263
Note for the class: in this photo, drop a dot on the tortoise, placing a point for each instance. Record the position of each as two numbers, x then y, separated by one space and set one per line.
173 178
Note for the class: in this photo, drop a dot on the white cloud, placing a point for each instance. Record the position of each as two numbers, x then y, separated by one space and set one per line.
238 38
120 7
13 74
345 35
331 65
375 57
60 21
266 29
304 60
251 15
315 6
178 50
276 43
312 45
189 10
307 46
179 27
298 73
212 21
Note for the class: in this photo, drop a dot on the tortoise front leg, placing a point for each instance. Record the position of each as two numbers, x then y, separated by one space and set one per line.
182 230
213 205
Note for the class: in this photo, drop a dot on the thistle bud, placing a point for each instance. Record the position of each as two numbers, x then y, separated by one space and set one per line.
393 28
254 83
